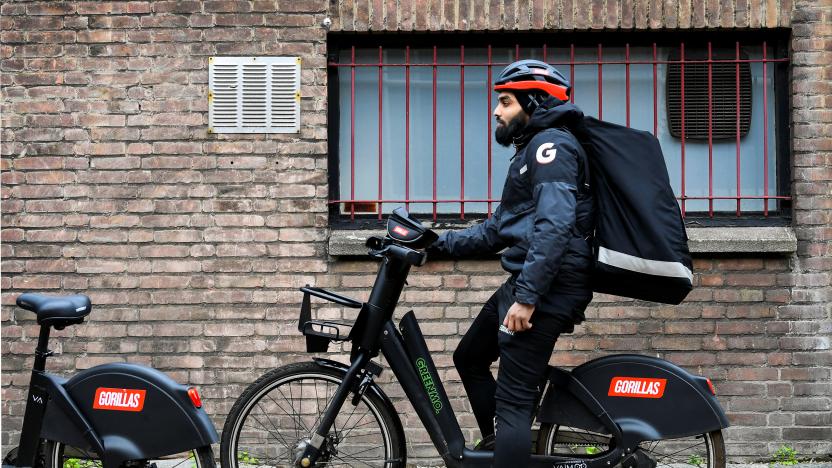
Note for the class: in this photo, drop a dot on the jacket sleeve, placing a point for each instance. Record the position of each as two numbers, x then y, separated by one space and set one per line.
552 158
480 238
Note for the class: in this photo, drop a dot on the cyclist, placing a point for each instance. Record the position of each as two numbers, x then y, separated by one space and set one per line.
544 221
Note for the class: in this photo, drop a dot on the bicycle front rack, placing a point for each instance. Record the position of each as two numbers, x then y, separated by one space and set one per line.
319 333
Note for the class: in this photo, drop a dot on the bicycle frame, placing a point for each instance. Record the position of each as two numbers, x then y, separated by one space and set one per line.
410 360
47 389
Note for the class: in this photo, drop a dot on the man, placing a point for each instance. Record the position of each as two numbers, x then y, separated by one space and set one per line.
544 221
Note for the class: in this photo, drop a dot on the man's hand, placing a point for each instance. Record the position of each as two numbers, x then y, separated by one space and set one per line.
518 316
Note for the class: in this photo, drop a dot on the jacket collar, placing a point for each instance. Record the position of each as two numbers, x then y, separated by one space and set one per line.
552 113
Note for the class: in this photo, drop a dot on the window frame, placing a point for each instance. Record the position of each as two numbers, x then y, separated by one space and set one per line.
777 39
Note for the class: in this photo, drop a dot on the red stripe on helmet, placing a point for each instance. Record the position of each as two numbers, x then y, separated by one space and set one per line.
552 89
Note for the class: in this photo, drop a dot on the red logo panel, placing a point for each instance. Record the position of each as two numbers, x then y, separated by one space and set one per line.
400 231
637 387
118 399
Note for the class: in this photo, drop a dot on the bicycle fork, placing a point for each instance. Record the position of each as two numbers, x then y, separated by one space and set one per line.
358 378
349 384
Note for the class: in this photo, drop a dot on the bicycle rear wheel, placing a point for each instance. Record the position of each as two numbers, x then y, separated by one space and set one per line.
58 455
273 420
701 451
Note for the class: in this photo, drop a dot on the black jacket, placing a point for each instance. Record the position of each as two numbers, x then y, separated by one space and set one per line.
543 219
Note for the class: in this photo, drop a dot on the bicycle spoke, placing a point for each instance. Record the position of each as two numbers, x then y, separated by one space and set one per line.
184 461
354 458
291 405
679 451
317 406
282 440
365 450
354 408
353 427
263 410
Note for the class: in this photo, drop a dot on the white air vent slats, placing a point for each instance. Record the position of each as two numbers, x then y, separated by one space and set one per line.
225 78
254 94
283 101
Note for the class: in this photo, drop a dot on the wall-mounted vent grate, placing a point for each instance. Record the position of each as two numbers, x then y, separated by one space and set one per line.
723 94
254 94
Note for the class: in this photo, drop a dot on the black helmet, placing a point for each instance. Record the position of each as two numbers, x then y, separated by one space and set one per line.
531 80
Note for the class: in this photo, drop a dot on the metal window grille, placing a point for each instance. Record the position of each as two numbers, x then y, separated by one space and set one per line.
254 94
709 196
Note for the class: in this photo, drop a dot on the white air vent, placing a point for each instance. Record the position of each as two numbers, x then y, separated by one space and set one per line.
254 94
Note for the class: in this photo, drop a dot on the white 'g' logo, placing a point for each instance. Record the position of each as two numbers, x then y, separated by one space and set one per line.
545 154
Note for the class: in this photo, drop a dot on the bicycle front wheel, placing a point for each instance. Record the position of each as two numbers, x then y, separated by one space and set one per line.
272 422
701 451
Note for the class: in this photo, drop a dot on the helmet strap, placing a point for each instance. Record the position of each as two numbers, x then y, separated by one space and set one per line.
529 101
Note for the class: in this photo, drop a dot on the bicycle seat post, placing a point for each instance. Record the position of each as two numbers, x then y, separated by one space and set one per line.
42 351
35 403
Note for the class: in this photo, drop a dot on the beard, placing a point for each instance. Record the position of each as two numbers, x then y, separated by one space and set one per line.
506 133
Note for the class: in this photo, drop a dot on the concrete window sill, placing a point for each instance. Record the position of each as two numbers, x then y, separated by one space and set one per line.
712 240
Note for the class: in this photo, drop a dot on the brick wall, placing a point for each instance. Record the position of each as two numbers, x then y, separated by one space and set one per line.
192 245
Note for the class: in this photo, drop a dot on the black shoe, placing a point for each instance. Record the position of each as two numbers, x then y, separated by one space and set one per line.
486 444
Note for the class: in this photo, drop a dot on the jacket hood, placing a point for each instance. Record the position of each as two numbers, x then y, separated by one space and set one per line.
552 113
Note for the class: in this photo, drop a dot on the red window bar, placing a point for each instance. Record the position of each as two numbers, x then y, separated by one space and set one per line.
599 62
711 135
627 82
488 90
461 133
407 125
434 133
600 83
655 91
380 133
737 66
682 74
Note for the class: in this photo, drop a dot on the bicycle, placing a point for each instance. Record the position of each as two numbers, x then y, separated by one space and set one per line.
111 415
629 410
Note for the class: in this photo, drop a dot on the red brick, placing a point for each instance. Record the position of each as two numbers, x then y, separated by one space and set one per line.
12 235
772 13
627 20
785 12
176 6
8 9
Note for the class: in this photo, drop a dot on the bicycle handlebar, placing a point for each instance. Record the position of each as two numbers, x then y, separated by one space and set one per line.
388 247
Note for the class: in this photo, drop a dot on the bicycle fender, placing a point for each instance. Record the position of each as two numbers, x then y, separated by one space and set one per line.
136 411
649 398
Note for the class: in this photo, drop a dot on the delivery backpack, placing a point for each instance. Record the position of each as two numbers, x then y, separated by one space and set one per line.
640 246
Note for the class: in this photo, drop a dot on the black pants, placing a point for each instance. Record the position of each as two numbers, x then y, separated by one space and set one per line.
523 356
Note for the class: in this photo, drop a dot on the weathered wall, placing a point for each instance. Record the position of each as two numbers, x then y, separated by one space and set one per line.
192 245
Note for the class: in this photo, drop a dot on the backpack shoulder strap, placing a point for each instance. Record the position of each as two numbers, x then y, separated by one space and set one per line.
583 176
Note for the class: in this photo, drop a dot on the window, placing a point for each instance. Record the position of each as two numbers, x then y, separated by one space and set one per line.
411 124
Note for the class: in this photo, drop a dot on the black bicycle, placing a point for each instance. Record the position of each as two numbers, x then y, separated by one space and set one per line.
629 410
112 415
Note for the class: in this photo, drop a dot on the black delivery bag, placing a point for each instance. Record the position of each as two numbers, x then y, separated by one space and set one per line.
641 246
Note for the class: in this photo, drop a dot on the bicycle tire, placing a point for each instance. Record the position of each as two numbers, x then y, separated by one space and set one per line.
57 455
10 460
707 453
277 444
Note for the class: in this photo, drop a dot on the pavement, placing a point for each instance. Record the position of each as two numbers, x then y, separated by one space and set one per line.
729 465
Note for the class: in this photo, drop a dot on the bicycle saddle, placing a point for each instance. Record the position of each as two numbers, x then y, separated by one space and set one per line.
56 311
